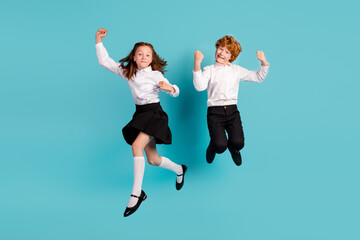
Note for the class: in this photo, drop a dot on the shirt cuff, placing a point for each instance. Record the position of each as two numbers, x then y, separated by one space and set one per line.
197 74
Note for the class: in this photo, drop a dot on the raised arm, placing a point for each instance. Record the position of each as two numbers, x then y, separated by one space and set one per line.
103 56
198 57
261 56
200 79
256 76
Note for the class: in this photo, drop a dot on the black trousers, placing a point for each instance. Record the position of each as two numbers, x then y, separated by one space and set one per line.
221 119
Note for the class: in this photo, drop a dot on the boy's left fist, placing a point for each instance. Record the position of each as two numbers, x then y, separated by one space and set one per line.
261 56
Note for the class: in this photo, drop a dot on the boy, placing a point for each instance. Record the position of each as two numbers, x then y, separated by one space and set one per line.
222 83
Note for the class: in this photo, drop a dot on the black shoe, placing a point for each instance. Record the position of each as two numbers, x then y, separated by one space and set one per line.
131 210
180 185
236 156
210 155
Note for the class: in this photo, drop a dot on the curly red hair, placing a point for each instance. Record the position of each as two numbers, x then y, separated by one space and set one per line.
231 44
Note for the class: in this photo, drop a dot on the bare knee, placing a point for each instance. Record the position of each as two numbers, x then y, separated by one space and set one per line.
137 148
155 161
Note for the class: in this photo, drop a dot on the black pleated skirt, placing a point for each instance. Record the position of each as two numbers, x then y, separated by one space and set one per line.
150 119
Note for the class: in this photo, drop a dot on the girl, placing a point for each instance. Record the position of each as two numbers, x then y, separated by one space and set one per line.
143 69
222 83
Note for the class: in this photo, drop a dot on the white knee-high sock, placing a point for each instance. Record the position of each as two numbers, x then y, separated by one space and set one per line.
139 168
167 164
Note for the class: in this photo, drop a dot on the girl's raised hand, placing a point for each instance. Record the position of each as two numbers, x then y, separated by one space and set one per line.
100 34
164 86
261 56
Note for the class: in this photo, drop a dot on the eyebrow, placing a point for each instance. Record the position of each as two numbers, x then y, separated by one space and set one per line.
139 51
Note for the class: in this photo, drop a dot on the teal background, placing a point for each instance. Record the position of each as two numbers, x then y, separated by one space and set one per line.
66 172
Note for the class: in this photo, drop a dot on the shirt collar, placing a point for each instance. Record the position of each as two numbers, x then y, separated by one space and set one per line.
148 69
216 64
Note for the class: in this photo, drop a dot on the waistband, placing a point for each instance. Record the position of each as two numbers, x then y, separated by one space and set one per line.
233 106
147 107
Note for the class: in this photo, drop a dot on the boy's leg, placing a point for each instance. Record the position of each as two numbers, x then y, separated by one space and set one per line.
236 134
218 139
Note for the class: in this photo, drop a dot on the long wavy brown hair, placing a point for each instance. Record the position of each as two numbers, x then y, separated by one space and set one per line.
129 65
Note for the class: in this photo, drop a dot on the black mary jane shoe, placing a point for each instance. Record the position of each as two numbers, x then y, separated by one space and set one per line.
131 210
236 156
180 185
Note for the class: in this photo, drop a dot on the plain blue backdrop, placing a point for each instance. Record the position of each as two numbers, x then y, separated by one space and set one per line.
66 172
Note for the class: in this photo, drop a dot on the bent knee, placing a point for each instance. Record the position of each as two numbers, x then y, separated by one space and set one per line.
219 147
237 144
155 161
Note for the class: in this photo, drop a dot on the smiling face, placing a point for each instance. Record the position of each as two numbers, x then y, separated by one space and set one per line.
143 57
222 55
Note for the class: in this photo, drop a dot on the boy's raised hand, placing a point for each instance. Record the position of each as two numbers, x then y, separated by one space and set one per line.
198 56
198 59
261 56
100 34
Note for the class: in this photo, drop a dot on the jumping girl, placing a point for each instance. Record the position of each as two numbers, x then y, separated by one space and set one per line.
143 69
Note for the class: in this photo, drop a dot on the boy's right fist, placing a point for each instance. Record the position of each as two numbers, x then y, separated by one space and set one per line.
100 34
198 56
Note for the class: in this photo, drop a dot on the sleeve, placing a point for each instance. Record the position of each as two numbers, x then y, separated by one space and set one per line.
160 78
252 76
201 79
107 62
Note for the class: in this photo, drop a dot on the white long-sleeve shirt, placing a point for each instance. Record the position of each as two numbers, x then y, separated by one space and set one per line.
222 82
144 85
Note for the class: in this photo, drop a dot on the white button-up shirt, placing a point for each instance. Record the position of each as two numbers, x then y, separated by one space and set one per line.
144 85
222 82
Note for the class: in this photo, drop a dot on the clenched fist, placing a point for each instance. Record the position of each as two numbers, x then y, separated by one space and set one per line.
164 86
100 34
198 59
261 56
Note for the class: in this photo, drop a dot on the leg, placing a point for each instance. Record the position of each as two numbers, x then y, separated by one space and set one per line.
235 131
152 155
236 136
163 162
139 144
218 140
139 165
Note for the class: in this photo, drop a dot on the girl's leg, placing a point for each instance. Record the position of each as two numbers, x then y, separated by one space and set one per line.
163 162
139 165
